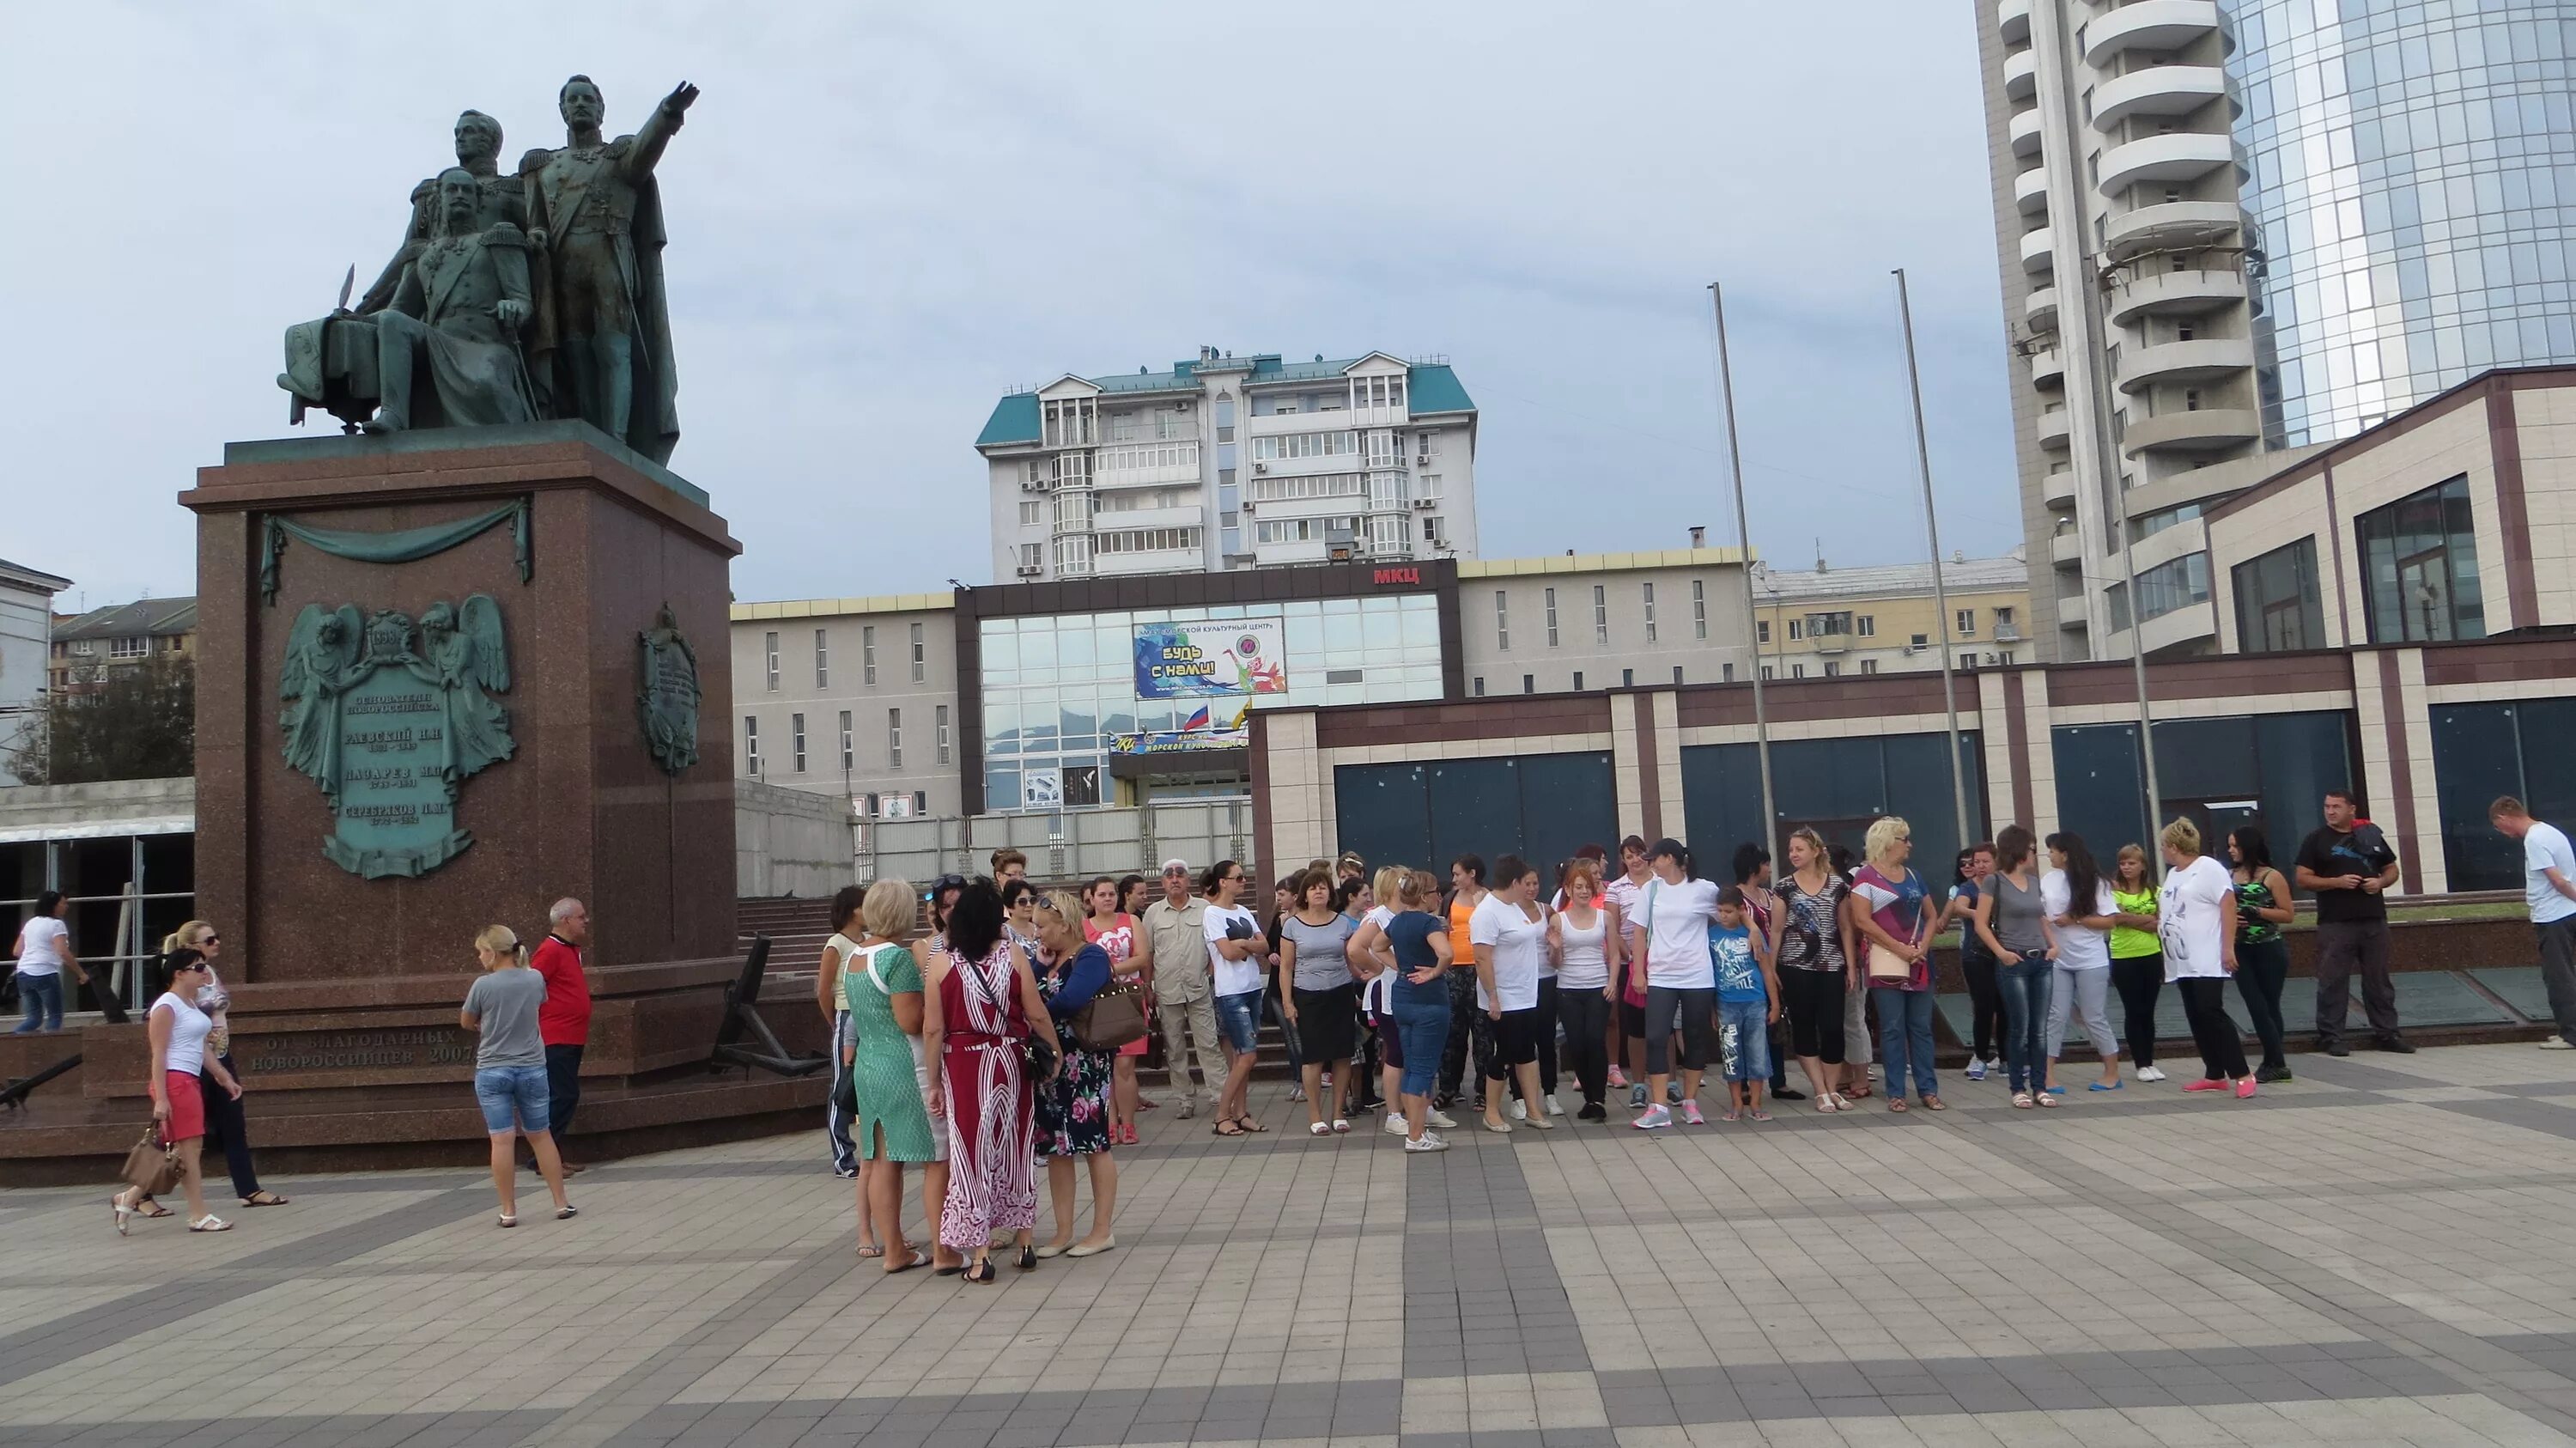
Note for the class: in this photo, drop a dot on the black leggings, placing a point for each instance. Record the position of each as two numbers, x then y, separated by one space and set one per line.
2139 980
1585 1014
1547 1034
2204 1004
1985 1007
2261 967
1813 1001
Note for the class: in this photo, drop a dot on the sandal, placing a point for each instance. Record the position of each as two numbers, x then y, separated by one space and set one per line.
124 1213
869 1251
508 1219
2047 1100
1935 1103
981 1274
1252 1126
1857 1093
2021 1100
1226 1128
1825 1101
566 1213
1898 1104
917 1259
1319 1128
1341 1126
264 1198
210 1223
150 1208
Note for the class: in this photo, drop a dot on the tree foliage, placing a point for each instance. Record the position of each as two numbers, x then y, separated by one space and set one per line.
137 723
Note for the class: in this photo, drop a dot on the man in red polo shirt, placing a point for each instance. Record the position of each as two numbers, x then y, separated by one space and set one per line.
563 1022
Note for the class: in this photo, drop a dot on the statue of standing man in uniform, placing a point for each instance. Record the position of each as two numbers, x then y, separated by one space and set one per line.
601 347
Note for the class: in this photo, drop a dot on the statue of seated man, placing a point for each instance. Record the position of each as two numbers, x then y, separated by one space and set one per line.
461 304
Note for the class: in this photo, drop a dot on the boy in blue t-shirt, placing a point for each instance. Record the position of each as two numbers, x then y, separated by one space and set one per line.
1748 996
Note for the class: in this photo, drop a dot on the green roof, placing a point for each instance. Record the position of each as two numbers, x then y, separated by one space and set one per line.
1436 389
1015 418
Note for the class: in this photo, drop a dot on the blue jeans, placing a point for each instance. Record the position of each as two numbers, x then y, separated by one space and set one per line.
1744 1039
1422 1025
513 1098
42 996
2024 984
1238 1021
1905 1035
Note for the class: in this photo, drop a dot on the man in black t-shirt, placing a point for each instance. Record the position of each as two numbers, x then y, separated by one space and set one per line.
2348 865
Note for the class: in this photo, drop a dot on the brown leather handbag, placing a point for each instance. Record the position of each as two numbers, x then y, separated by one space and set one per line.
1114 1018
153 1164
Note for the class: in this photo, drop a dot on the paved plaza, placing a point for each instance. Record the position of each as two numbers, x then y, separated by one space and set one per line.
2381 1253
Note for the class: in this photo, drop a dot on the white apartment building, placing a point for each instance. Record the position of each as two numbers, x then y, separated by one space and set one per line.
26 642
1231 462
2298 220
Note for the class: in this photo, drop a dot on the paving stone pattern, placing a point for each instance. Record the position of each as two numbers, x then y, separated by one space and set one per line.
2382 1252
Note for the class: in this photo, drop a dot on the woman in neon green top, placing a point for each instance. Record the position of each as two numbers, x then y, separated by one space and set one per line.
2137 957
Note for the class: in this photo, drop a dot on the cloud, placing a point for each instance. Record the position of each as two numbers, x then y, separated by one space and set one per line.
883 216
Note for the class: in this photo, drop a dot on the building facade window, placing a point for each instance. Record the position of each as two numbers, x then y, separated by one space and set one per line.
1866 625
796 740
1071 421
1601 613
1290 446
1031 513
822 660
1869 666
849 755
868 655
1966 623
1578 681
1699 608
1627 678
939 731
2278 604
129 648
1529 683
2174 584
1550 599
769 651
920 655
1149 540
1480 686
751 745
1650 612
894 739
1502 621
1797 629
2419 560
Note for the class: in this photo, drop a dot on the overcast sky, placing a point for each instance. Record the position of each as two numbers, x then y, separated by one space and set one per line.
882 217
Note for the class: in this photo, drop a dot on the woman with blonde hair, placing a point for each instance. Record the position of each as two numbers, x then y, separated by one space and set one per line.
1892 910
2196 922
1072 1107
225 1123
890 1122
510 1066
1811 946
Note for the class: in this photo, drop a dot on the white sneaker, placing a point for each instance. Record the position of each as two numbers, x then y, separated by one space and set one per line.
1395 1123
1552 1108
2151 1073
1976 1069
2557 1043
1439 1118
1428 1142
1519 1111
1656 1118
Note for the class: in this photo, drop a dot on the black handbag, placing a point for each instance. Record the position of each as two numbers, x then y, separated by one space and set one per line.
1039 1056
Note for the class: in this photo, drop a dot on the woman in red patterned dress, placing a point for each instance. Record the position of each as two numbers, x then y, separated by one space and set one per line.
981 1002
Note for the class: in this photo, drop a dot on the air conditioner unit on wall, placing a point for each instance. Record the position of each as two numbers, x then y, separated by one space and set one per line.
1032 570
1422 460
1426 503
1261 467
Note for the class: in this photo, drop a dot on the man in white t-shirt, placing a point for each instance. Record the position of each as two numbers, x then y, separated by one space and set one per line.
2549 888
44 952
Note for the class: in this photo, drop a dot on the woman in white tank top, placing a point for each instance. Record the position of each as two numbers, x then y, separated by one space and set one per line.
1578 939
178 1031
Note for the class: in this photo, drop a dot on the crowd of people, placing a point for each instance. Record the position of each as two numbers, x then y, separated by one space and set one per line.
1649 976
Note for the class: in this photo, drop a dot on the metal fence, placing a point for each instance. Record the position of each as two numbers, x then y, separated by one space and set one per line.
1062 845
123 969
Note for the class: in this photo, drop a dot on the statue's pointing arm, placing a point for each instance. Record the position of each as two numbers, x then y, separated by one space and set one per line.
666 120
380 293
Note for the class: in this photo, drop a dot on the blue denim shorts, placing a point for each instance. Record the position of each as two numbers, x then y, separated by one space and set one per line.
513 1098
1744 1038
1238 1021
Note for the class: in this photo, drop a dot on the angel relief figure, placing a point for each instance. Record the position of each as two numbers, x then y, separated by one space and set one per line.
320 653
463 653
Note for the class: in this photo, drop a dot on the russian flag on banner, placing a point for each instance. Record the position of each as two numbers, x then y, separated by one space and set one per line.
1198 720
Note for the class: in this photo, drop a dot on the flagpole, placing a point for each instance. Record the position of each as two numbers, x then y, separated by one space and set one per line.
1744 544
1940 590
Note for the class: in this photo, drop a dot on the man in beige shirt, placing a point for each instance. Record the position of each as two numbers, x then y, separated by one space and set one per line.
1176 924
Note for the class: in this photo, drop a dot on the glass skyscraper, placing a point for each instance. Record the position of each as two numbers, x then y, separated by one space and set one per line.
2410 187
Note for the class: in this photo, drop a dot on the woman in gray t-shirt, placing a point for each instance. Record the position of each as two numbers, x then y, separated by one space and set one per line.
510 1066
1323 998
2013 922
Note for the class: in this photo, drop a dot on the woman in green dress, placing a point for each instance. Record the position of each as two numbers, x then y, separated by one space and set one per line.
881 989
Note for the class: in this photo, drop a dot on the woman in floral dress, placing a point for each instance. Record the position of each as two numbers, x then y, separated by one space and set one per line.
1073 1109
980 1004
